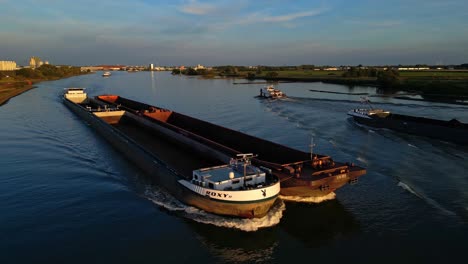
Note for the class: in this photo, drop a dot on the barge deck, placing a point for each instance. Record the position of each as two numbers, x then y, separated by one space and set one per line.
301 174
174 167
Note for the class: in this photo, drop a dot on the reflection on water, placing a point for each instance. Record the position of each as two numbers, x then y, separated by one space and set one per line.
153 82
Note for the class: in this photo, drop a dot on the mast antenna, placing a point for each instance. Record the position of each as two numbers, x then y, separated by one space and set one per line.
245 158
366 100
312 147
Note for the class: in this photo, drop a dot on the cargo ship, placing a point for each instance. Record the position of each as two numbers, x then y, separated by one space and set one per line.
237 188
302 174
451 131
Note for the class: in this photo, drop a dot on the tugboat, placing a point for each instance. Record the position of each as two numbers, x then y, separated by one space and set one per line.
237 182
237 189
451 131
271 92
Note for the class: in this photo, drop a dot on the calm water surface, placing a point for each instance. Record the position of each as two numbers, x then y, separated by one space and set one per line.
66 196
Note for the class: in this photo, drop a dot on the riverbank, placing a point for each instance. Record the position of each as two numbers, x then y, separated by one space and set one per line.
10 90
14 83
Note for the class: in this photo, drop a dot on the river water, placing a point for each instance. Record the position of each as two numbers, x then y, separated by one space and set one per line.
66 196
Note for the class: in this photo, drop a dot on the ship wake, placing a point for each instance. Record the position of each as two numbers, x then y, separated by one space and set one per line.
302 199
428 200
163 199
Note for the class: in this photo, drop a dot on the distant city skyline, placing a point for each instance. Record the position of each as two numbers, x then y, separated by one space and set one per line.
242 32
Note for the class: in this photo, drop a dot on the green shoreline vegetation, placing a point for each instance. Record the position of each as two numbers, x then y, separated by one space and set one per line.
13 83
437 82
430 83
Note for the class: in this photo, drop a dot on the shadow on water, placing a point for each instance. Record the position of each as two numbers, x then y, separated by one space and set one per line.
312 224
316 224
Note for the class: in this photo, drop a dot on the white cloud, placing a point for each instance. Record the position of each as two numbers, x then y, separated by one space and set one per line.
293 16
258 17
196 8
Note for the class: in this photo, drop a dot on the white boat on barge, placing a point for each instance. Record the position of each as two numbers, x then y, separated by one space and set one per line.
238 189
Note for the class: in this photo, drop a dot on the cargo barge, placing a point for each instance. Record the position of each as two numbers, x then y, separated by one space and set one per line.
237 189
451 131
301 174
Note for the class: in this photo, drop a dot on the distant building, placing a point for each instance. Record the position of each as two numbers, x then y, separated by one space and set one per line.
151 66
111 67
34 62
91 68
199 67
8 65
413 68
182 68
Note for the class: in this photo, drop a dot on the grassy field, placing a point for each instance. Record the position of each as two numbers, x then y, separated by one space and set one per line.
439 74
307 73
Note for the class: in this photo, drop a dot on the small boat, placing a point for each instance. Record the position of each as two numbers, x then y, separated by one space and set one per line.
271 92
107 74
238 189
451 131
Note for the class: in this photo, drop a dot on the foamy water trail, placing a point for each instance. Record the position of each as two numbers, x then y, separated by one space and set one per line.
362 159
163 199
426 199
409 189
411 145
302 199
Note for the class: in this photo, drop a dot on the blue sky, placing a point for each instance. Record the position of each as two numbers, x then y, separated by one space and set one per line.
275 32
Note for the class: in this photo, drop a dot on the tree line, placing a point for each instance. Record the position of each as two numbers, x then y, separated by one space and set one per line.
48 71
386 78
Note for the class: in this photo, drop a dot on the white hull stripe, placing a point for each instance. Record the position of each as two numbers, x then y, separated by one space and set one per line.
356 114
235 196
